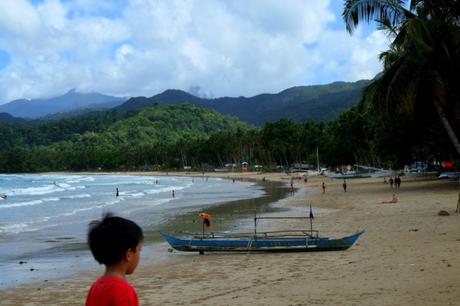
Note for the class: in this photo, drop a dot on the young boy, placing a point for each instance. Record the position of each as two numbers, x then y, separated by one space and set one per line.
115 242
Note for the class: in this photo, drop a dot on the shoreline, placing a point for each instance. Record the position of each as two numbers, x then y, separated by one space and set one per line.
407 256
39 269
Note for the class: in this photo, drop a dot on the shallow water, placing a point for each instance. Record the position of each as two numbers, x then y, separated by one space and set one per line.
43 221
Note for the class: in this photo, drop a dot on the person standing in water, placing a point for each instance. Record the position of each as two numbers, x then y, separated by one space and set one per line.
173 194
117 192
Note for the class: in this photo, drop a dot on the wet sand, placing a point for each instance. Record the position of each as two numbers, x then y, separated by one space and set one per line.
407 256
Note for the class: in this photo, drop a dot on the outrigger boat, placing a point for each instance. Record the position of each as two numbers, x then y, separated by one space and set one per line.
277 241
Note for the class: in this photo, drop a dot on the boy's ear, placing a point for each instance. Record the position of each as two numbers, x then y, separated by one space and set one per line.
128 254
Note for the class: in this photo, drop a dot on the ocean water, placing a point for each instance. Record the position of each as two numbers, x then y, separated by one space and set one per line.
44 220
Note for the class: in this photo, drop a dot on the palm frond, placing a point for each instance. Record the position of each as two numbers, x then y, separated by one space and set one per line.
414 4
389 57
386 25
356 11
395 91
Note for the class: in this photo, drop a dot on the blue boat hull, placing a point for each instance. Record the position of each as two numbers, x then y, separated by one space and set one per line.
251 244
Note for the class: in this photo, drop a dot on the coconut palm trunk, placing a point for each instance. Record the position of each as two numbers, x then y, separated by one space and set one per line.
450 131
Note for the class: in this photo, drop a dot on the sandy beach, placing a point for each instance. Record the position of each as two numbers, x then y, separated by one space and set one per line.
407 256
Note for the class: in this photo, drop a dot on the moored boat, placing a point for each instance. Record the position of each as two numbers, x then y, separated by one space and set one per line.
349 175
299 241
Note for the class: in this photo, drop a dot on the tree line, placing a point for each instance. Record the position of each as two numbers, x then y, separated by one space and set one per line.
168 137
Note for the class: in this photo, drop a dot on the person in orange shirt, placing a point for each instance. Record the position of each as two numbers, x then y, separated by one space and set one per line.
116 243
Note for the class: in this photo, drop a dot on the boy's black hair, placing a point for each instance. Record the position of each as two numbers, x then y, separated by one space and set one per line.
111 237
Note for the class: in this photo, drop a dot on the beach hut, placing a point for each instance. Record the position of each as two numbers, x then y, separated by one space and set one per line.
245 166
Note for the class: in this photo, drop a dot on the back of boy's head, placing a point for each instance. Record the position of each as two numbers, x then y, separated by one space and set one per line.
111 237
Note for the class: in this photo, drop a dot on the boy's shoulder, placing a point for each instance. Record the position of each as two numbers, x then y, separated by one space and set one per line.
111 280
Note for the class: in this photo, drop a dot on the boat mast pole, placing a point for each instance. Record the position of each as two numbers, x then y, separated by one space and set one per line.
255 223
311 225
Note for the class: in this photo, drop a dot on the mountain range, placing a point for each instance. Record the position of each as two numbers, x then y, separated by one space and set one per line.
299 104
72 101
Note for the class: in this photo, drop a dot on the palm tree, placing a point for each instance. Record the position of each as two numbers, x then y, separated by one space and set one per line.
421 68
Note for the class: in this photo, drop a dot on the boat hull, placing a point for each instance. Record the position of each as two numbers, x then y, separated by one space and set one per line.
251 244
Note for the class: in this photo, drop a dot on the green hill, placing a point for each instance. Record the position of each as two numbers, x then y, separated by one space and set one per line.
109 140
300 104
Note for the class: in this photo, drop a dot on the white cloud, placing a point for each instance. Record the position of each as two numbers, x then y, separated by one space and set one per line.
348 58
228 48
54 13
19 18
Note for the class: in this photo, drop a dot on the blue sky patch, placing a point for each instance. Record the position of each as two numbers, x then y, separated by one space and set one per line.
5 59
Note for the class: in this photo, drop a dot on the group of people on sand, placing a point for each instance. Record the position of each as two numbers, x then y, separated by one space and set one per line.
393 181
396 181
344 186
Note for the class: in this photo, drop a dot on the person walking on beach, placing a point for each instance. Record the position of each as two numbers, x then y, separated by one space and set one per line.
116 243
292 189
391 181
397 182
344 185
323 186
458 204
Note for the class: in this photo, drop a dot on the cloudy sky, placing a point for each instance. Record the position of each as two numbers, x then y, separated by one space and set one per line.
210 48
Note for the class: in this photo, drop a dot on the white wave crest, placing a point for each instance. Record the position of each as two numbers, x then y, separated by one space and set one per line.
21 204
78 196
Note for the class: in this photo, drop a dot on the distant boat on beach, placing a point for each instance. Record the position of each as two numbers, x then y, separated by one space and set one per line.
348 175
449 175
362 171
